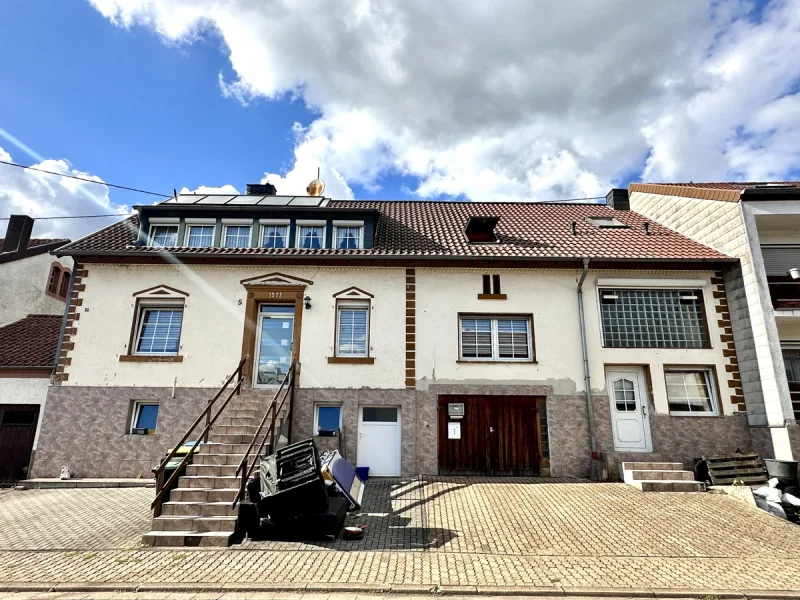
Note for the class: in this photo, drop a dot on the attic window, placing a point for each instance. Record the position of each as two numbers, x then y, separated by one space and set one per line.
480 230
606 223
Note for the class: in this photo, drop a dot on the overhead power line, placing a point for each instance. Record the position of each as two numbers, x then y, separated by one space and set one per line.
120 187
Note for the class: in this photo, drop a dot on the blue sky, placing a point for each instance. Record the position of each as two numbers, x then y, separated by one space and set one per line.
409 101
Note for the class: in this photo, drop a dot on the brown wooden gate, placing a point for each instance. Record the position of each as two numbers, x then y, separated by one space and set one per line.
17 432
499 436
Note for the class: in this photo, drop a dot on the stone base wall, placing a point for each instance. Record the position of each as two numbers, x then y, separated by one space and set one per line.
86 429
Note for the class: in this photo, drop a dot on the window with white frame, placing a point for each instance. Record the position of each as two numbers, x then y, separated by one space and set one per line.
274 236
352 328
144 418
653 318
310 236
690 391
158 329
328 417
237 236
199 236
606 223
164 236
348 237
496 338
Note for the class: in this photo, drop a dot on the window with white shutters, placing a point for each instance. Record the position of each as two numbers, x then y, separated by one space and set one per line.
496 338
352 329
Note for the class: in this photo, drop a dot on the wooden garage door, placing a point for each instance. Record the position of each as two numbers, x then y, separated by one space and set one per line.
17 431
499 436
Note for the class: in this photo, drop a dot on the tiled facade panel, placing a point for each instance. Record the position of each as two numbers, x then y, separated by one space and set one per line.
720 225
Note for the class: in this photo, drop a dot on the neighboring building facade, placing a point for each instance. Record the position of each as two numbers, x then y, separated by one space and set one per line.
34 287
758 223
438 337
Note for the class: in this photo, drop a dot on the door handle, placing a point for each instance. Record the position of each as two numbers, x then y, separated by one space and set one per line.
491 429
644 412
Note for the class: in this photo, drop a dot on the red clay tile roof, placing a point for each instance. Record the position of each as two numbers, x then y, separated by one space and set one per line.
435 229
723 191
35 246
731 185
30 342
33 242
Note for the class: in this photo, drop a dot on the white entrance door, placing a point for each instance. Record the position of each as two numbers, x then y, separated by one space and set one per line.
379 440
630 419
274 335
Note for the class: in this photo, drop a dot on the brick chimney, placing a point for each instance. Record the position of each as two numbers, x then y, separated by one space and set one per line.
18 234
617 199
261 189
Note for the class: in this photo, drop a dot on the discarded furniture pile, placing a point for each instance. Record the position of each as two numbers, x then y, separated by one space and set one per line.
300 494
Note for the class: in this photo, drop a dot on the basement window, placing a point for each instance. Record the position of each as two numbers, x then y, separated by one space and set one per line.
480 230
145 416
606 223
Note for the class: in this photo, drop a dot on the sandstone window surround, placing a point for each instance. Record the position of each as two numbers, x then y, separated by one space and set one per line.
58 281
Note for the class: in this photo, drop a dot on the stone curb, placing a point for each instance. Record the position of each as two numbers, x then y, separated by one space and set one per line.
407 589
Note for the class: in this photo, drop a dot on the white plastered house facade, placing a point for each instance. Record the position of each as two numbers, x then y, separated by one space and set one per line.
34 287
760 225
418 363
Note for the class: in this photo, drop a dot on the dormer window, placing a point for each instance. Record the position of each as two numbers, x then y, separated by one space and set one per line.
199 234
348 235
274 234
164 233
310 235
606 223
480 230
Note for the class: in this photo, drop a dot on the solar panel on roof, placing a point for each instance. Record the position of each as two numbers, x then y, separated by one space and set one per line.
215 199
305 201
275 201
245 200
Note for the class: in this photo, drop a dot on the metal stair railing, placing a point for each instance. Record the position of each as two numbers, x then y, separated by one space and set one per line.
163 487
286 387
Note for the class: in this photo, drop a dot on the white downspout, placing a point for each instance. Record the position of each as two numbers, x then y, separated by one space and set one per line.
586 377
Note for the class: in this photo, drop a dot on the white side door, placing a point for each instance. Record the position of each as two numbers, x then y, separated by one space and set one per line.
379 440
630 413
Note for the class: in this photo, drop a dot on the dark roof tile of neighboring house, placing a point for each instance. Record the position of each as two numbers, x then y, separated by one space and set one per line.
30 342
35 246
730 191
436 229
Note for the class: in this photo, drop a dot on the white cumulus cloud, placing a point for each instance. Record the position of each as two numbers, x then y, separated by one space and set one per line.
509 99
37 194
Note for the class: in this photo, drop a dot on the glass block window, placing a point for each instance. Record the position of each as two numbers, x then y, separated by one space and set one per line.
237 236
200 236
159 330
495 338
348 238
352 337
275 236
690 392
653 318
310 236
164 236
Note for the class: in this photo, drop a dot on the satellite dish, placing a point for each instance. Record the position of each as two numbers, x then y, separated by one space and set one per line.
316 187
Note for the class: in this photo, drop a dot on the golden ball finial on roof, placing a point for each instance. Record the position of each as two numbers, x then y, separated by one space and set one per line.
316 187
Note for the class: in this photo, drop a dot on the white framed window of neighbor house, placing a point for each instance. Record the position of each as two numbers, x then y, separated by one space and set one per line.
327 418
310 235
236 236
274 235
691 391
352 328
144 418
164 235
495 338
200 235
158 329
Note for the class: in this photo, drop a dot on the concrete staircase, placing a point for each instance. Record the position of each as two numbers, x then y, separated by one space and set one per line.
198 511
660 477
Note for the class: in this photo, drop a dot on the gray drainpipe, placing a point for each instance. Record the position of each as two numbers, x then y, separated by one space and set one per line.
586 377
75 267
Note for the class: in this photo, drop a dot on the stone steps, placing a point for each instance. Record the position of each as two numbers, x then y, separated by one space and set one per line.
199 511
660 477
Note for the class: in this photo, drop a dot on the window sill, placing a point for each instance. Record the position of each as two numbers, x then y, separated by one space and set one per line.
694 415
150 359
351 360
497 362
492 296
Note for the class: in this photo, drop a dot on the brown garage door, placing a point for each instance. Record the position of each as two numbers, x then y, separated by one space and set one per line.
499 435
17 431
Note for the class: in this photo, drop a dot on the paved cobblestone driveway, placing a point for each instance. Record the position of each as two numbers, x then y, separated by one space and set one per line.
445 532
